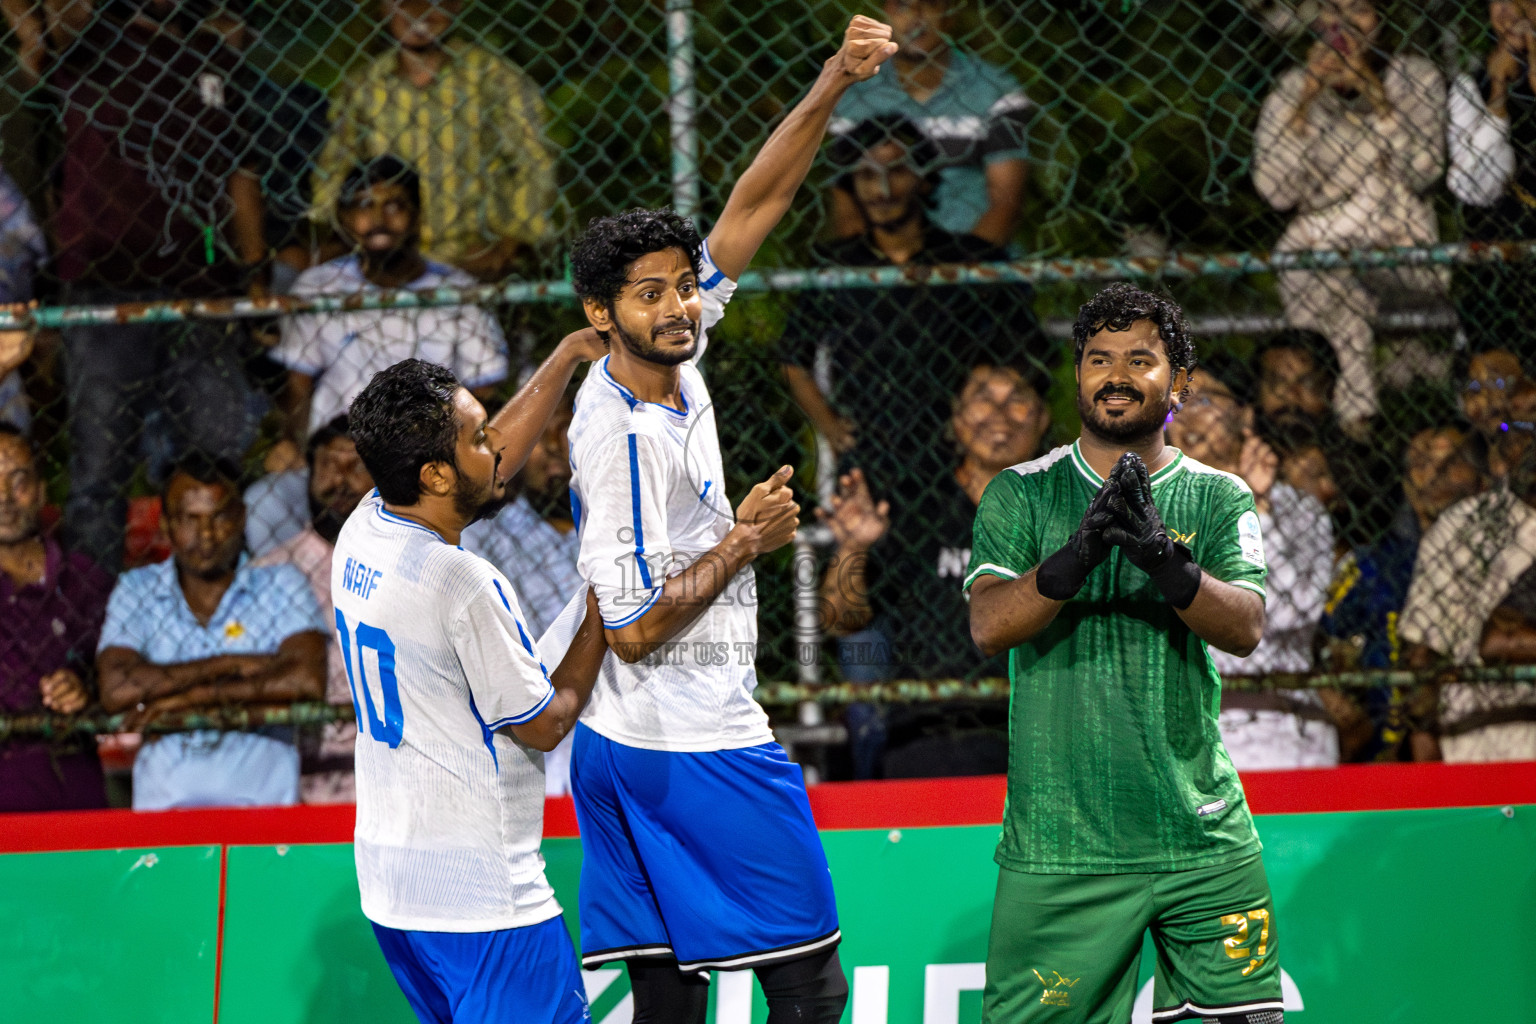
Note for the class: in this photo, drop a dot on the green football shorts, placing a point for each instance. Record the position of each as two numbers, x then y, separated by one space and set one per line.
1066 948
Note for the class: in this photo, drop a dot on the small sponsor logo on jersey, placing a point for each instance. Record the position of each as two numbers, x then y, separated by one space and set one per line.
1249 538
953 562
233 630
1181 538
360 579
1058 988
1211 808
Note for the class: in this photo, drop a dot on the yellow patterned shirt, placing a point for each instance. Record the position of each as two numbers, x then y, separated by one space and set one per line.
475 134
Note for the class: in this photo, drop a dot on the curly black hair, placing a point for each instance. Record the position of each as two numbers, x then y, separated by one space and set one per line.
403 420
601 257
1119 306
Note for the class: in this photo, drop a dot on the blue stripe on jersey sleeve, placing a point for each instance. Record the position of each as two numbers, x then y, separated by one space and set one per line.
632 616
521 633
526 716
713 279
634 504
485 731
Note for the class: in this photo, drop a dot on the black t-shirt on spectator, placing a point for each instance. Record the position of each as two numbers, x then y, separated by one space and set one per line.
915 573
898 355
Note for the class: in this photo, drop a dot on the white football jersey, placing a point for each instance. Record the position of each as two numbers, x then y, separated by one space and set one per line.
450 812
648 491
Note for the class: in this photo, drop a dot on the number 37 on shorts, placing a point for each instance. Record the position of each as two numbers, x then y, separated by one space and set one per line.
1067 948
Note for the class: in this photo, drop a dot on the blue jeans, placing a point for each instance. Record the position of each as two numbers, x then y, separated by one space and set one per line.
193 372
865 657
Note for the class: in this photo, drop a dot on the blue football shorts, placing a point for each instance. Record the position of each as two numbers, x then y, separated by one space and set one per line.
527 975
712 858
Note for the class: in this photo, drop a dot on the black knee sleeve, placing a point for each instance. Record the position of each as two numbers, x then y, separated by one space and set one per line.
808 990
666 995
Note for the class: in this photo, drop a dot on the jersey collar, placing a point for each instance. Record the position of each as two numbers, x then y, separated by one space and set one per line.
629 396
1174 467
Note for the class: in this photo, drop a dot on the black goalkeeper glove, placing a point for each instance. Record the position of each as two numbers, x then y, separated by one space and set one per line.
1063 574
1138 530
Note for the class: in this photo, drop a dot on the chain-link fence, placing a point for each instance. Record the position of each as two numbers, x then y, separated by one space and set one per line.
1339 194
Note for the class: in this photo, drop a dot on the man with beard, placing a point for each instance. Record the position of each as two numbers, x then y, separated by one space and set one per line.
699 850
1124 811
470 120
155 196
338 480
455 702
330 356
889 591
206 629
54 602
533 541
898 354
974 111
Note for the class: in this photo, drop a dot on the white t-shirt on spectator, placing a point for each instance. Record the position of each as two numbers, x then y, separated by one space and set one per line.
450 811
649 496
343 351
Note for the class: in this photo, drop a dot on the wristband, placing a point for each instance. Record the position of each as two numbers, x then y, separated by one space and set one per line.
1178 577
1060 576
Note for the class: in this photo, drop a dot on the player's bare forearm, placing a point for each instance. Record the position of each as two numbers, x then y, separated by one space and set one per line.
683 599
573 680
1228 618
1007 613
766 520
763 193
521 422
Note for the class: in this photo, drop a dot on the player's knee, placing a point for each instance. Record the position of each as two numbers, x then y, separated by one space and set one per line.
1251 1017
808 990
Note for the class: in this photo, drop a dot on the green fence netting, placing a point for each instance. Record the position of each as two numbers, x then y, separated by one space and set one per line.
1340 194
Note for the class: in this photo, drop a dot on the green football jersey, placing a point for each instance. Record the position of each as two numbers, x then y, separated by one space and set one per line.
1115 763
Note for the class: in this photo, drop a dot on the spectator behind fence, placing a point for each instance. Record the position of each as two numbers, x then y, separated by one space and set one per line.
205 629
22 251
1488 380
332 356
1492 146
891 591
533 540
974 112
1304 453
898 354
1442 465
155 199
337 481
1280 729
287 124
470 121
1350 142
1470 602
1297 371
54 603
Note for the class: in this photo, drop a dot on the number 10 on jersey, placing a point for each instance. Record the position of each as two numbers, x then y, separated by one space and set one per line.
391 726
